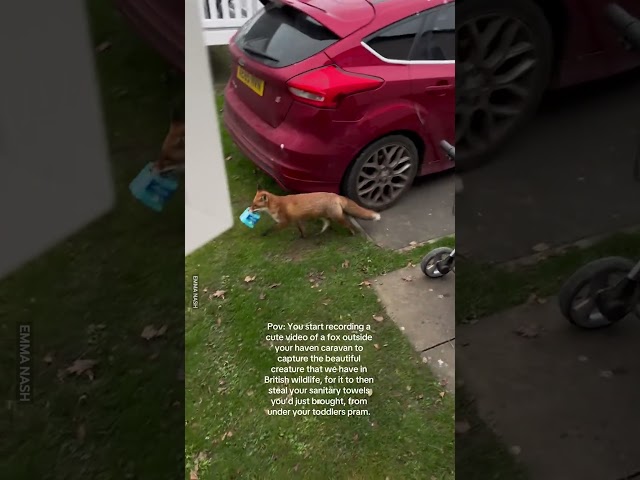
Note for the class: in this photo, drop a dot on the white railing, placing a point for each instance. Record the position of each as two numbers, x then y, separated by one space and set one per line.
222 18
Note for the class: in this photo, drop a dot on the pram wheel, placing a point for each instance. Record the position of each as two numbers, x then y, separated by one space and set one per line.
429 263
577 297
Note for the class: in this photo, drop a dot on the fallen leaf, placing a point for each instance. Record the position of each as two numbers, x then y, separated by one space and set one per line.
150 332
462 427
515 450
410 264
376 346
81 366
275 285
533 298
378 318
250 393
408 388
103 46
219 321
81 433
442 394
249 279
440 296
408 279
229 158
219 294
48 358
528 331
369 392
355 437
262 296
606 373
229 434
365 283
223 437
540 247
345 264
413 244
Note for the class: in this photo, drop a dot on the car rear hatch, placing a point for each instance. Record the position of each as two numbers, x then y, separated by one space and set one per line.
286 38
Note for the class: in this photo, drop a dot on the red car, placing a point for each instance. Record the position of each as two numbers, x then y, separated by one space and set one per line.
510 51
348 96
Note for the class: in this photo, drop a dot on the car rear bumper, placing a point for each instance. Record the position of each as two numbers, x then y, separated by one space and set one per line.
298 160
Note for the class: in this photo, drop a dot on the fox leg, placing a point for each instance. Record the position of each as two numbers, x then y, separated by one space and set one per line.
344 221
325 225
301 229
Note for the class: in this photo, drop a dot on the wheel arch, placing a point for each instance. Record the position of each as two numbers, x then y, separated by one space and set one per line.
410 134
556 13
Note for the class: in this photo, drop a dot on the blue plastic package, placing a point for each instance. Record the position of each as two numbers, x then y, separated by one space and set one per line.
250 218
152 188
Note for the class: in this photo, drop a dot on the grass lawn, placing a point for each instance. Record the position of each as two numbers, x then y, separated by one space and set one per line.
90 298
483 290
409 433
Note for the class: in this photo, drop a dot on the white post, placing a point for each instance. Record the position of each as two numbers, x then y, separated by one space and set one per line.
56 176
207 204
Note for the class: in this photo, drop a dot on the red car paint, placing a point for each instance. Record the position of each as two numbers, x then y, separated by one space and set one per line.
588 47
308 148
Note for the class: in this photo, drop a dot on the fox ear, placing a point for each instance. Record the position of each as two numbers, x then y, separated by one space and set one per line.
264 198
258 187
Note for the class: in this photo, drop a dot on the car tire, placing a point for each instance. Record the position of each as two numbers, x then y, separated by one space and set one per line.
390 180
484 95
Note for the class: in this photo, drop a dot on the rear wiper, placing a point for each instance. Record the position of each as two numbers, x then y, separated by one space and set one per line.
259 54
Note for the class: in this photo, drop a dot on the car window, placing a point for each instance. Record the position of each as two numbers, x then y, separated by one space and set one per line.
438 39
395 42
281 36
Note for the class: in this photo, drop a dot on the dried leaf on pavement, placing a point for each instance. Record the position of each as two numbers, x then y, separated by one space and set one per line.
81 366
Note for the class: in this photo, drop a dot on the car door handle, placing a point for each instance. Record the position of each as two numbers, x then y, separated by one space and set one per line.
439 87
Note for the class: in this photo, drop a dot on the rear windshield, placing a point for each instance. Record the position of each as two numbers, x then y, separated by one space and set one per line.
280 36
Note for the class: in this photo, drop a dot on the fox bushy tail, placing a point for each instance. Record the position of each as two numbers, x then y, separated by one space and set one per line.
352 208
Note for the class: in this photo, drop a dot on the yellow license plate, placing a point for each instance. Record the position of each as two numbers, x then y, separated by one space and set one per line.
250 81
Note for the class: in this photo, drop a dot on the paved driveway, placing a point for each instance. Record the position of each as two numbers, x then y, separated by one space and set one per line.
568 398
423 214
566 177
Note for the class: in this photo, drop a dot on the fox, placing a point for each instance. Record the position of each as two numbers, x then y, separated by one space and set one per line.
172 154
294 209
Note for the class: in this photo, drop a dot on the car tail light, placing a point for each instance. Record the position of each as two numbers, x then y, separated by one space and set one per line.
327 86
